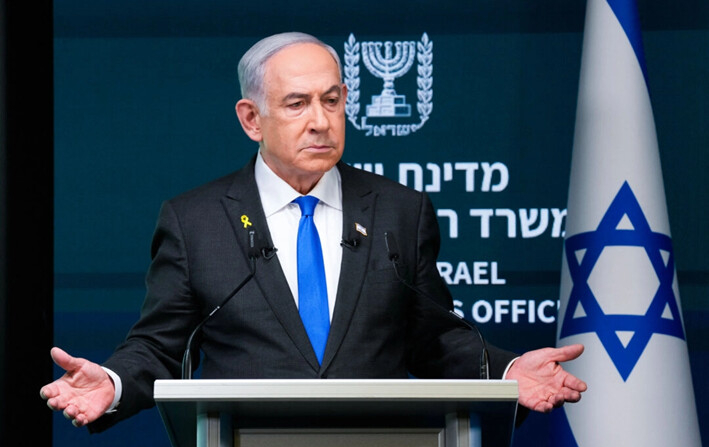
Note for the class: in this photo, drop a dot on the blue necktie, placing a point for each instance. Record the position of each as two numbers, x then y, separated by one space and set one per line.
312 288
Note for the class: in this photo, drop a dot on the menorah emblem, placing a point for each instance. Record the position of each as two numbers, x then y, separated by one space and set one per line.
388 67
388 61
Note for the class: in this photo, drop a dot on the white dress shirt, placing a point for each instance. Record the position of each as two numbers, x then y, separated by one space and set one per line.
283 216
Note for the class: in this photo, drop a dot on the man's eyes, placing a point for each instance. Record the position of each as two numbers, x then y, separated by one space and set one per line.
328 101
331 101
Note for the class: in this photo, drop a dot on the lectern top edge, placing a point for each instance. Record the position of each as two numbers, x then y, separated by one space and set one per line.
347 389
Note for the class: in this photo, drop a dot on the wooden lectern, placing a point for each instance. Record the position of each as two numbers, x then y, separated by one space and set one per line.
341 413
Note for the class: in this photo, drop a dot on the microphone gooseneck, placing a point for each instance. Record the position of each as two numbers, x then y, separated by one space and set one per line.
393 254
253 253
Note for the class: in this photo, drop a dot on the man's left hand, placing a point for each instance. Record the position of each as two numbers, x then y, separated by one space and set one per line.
543 383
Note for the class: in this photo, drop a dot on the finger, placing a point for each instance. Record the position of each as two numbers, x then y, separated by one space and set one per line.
543 407
59 402
71 411
52 403
64 360
73 414
538 403
80 421
47 391
566 353
574 383
557 400
571 395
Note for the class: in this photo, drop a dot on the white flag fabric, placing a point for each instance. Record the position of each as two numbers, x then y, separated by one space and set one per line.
619 294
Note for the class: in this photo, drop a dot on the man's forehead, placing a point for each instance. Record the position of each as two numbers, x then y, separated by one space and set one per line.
303 59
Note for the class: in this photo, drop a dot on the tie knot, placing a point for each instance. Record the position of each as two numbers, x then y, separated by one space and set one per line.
307 204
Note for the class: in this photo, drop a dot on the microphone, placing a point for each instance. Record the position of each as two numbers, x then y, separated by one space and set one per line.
352 244
393 254
268 252
253 253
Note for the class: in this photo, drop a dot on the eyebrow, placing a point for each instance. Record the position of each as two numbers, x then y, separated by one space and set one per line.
334 89
293 96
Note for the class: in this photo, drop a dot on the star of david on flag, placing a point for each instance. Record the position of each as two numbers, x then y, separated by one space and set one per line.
619 294
623 336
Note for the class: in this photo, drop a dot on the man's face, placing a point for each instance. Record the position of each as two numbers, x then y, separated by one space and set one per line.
303 130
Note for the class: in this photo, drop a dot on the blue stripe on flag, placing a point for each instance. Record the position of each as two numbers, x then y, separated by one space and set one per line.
626 12
562 436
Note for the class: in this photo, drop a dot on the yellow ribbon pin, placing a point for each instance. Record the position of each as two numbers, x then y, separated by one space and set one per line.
245 221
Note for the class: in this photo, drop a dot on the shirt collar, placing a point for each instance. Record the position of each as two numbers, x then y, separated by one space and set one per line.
276 193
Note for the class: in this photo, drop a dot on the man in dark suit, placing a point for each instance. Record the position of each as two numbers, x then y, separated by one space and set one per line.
375 325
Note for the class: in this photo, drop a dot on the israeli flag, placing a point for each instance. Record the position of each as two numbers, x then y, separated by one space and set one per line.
619 293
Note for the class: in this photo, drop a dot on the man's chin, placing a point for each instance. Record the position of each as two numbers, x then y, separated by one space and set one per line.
320 159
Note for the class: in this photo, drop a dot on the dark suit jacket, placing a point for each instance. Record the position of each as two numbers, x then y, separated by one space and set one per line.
380 328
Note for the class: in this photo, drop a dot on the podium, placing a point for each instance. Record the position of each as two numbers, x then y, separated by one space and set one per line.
334 412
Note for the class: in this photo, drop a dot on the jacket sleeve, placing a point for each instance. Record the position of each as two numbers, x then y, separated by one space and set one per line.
154 346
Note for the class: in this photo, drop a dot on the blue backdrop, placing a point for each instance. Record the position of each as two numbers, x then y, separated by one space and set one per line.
144 97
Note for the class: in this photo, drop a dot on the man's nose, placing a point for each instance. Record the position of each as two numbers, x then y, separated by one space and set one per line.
319 121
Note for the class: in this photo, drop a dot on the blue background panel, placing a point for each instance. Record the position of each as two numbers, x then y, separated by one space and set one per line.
144 110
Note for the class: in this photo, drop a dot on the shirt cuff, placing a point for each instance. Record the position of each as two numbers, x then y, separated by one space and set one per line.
118 390
509 365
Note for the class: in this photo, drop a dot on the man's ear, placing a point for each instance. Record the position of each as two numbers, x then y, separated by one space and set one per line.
344 93
250 118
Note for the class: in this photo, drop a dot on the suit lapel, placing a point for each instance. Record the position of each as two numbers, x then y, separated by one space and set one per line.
358 210
242 199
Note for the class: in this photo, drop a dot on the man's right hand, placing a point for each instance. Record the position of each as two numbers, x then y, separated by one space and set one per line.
83 393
